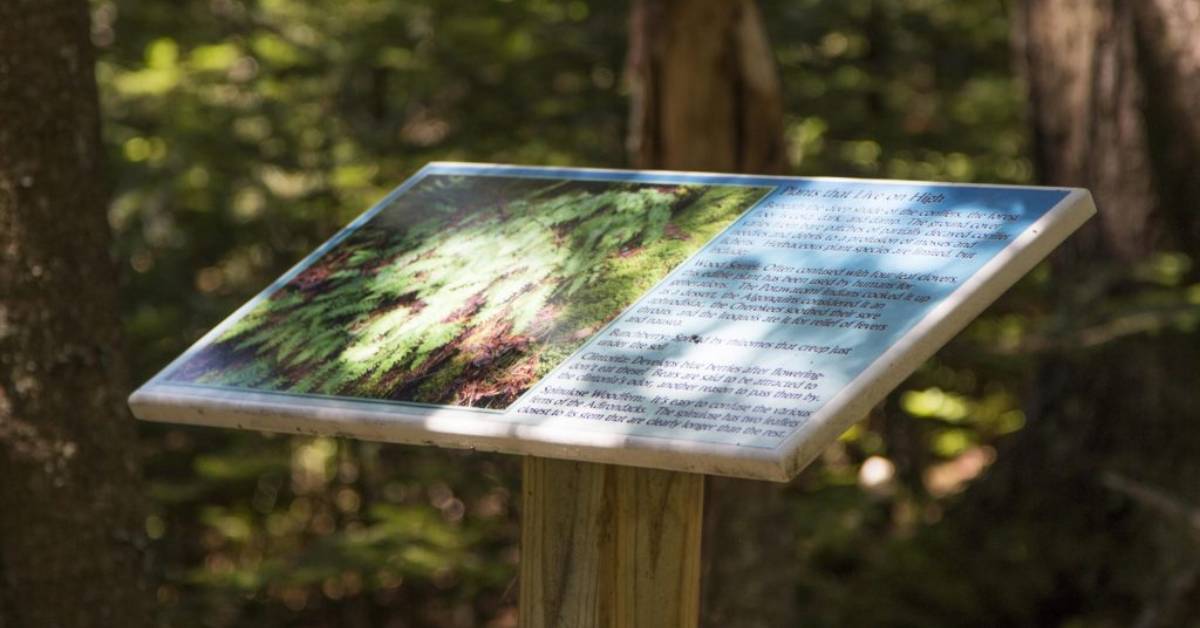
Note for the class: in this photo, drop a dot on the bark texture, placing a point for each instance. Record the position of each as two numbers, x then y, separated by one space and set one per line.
705 96
1102 482
705 91
70 512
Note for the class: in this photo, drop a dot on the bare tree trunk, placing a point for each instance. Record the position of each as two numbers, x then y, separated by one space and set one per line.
705 89
70 506
705 96
1115 107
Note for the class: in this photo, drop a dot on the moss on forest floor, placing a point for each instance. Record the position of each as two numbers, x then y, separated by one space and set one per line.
466 290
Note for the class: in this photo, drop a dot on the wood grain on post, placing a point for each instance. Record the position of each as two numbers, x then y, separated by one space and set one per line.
609 546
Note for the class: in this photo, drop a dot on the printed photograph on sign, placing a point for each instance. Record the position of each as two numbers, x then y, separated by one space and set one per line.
465 290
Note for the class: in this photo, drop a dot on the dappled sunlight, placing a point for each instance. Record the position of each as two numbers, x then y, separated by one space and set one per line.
877 475
823 270
464 290
946 478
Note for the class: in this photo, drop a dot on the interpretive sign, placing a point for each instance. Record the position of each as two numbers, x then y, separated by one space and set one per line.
720 324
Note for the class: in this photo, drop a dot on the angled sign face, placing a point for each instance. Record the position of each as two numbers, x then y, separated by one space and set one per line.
731 325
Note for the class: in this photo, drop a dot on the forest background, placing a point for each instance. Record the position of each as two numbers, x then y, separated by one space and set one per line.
1042 470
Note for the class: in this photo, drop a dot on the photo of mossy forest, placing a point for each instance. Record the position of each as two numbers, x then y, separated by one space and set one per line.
465 290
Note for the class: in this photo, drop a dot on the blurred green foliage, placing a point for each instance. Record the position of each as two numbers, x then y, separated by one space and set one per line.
242 133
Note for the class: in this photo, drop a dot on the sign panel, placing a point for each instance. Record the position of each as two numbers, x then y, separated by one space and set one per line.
708 323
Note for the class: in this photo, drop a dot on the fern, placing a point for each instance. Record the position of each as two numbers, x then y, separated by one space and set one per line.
448 289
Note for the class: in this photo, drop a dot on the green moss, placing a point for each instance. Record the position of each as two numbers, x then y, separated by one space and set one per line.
449 303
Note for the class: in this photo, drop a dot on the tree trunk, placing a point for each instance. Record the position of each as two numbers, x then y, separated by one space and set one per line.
705 96
1096 484
71 548
705 93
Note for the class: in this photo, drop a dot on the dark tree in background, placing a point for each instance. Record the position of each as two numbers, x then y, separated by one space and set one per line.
706 96
70 500
1101 487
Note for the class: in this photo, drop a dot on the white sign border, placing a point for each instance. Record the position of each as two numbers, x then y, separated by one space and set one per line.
485 430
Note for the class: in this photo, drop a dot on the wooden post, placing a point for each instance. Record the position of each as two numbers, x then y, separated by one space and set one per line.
609 546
